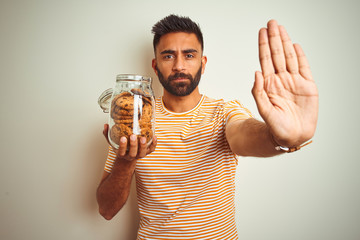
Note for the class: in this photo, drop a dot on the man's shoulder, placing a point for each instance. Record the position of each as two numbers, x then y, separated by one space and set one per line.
210 100
221 101
228 106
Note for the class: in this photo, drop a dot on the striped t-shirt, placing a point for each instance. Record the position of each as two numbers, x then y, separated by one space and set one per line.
186 187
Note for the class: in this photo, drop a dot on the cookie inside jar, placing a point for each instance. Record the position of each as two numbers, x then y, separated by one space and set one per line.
131 113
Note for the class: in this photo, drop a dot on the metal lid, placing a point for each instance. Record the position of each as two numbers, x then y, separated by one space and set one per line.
132 77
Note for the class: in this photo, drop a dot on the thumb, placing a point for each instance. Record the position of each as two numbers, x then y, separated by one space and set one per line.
261 98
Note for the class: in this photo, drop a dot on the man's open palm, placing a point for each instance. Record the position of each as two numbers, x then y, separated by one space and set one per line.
285 92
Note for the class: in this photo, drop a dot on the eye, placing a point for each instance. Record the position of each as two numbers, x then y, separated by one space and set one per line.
168 56
189 55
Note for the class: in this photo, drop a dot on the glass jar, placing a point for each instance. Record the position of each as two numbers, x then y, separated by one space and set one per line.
131 104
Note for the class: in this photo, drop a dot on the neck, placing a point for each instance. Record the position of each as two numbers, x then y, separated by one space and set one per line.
179 104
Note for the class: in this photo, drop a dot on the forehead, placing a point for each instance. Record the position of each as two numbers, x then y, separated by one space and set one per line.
178 41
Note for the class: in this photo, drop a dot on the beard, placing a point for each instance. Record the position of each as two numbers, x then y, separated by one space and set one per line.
180 88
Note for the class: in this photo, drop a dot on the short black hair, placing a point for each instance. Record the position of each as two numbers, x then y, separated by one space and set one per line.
174 23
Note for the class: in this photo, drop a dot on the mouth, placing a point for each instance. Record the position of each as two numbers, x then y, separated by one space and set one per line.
180 79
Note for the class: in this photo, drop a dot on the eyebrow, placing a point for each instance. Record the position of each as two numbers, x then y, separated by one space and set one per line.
183 51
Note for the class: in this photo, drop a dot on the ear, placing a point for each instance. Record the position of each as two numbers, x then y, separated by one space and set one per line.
154 64
203 61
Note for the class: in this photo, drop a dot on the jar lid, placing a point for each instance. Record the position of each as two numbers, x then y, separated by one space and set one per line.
132 77
105 100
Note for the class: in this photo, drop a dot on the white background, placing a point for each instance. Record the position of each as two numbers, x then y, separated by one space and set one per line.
56 58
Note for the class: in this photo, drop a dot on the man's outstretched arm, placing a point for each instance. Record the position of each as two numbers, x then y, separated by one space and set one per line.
286 97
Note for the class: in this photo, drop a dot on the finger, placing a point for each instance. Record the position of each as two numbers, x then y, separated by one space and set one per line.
261 98
152 146
122 146
276 47
289 51
304 67
142 147
133 147
267 66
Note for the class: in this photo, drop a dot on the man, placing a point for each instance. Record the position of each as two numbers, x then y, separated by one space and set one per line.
186 185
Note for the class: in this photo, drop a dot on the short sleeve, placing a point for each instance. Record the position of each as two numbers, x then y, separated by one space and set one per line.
234 110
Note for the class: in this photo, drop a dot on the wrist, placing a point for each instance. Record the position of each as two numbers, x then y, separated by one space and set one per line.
279 147
124 163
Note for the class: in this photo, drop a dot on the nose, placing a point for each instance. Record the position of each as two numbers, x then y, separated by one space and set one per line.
179 65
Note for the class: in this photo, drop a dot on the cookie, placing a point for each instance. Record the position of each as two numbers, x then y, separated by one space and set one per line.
126 121
121 114
123 102
146 100
147 111
119 130
122 106
147 132
125 113
121 95
125 94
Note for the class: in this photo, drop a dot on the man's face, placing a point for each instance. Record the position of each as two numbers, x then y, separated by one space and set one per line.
179 63
173 85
